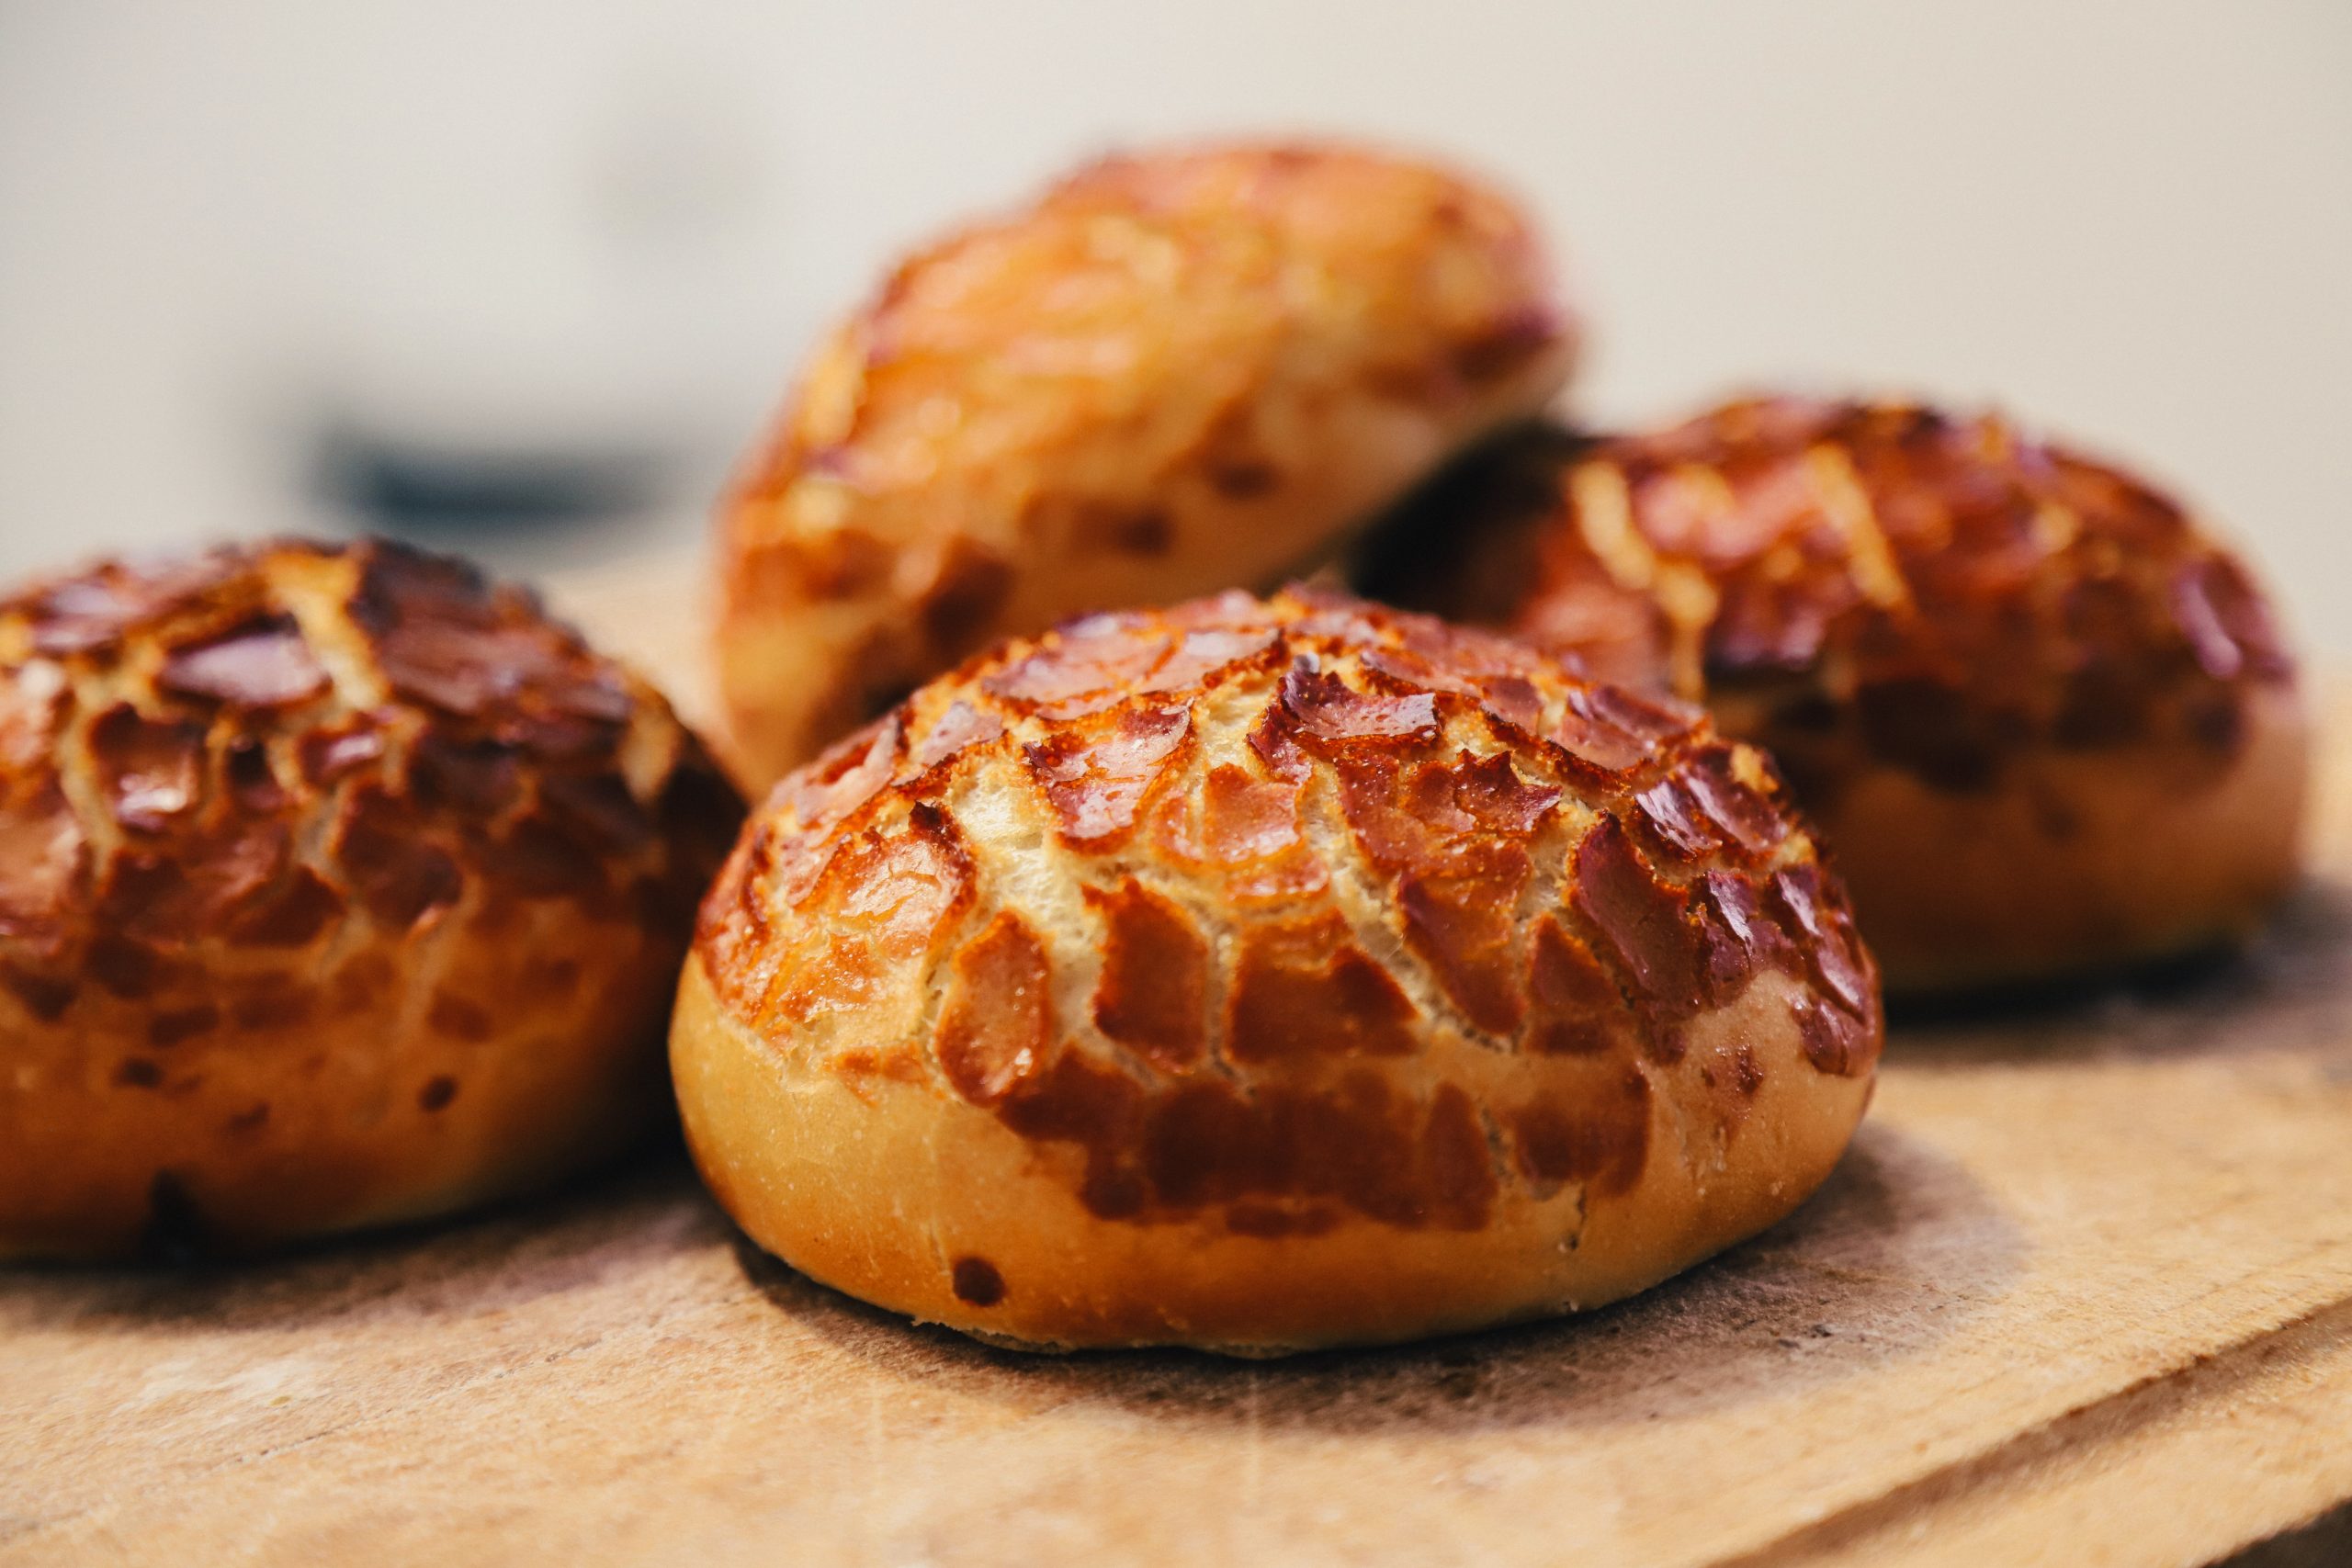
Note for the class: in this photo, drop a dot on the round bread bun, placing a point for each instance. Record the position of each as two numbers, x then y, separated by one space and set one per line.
1266 975
2046 721
337 887
1174 373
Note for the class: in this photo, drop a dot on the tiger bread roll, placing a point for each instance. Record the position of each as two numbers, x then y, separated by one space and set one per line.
1266 975
1175 372
2045 717
338 886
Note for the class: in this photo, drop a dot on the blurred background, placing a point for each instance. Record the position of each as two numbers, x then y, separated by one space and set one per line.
523 277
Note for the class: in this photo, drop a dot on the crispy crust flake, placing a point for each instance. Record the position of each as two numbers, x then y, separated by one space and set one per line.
1018 424
300 756
1880 580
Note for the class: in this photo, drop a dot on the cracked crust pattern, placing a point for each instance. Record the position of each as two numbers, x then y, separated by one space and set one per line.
337 886
1955 639
1173 373
1284 925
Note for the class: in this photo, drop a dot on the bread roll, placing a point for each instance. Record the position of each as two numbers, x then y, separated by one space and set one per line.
1259 976
1175 372
2045 720
337 887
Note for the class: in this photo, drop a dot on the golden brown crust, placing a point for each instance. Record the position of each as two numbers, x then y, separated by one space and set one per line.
1173 373
1363 954
2080 860
337 886
2013 641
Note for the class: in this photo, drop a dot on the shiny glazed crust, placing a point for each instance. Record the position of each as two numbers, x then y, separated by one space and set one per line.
1267 976
1174 373
2046 721
337 886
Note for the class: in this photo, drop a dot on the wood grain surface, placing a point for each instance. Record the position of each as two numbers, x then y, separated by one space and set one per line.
2082 1292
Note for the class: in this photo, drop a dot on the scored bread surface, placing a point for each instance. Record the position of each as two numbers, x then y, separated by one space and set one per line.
1261 974
337 886
1174 373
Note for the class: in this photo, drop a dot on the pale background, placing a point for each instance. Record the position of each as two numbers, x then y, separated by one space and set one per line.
240 238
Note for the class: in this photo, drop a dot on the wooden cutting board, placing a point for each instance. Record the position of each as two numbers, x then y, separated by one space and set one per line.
2082 1292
